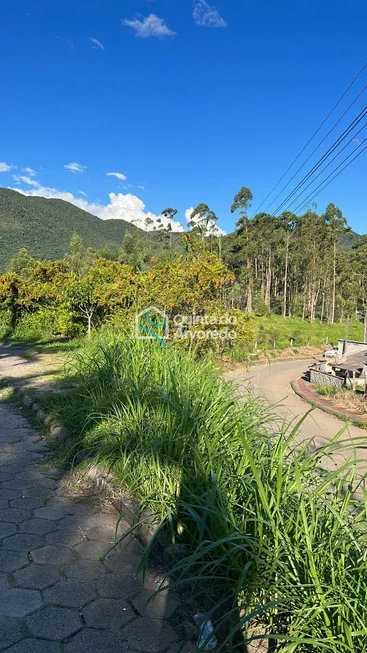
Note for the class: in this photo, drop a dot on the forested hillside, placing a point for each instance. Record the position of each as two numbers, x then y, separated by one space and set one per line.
45 226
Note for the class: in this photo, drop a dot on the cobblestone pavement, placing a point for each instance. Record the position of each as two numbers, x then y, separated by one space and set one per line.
56 595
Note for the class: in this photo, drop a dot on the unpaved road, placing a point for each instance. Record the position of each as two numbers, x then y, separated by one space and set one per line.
273 382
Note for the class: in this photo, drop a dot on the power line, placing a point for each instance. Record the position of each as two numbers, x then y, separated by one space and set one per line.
325 156
328 164
305 201
314 134
319 145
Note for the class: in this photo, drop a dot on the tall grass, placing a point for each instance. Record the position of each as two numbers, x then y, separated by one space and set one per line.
275 331
278 545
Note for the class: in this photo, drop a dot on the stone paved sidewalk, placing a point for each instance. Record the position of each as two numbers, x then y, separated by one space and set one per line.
56 596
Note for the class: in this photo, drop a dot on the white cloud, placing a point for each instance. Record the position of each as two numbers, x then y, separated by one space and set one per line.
5 167
97 45
188 214
207 16
30 171
124 207
152 25
75 167
118 175
212 229
26 180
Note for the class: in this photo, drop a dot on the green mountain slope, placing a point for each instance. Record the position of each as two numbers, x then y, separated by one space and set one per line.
45 226
347 240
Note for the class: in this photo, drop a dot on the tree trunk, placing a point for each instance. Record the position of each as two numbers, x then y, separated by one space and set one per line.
89 331
268 282
285 283
332 316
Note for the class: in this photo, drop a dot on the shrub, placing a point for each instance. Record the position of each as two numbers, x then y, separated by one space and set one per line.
274 542
46 322
326 390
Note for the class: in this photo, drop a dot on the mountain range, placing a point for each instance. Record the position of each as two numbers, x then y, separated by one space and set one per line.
45 227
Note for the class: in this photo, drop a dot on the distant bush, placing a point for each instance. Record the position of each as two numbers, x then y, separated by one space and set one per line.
326 390
47 322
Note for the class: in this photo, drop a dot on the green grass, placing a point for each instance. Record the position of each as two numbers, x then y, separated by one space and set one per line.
326 390
274 331
276 543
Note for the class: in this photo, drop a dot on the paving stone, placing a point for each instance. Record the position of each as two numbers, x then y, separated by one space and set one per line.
6 529
5 476
37 577
85 570
17 484
4 503
54 623
12 469
12 560
50 512
10 494
4 581
17 602
101 534
23 542
35 492
65 538
15 515
70 594
38 526
107 613
91 549
35 646
71 523
118 586
103 519
122 563
10 631
57 555
26 503
49 483
150 635
89 640
156 606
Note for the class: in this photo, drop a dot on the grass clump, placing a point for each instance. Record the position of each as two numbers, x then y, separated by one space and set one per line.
326 390
279 545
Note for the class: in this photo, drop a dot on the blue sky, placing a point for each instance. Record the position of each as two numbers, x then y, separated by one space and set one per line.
186 101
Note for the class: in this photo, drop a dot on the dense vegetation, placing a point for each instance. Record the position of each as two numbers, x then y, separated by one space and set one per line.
279 546
296 265
45 226
311 266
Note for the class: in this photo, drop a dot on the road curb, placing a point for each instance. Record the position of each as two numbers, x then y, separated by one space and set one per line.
142 521
345 417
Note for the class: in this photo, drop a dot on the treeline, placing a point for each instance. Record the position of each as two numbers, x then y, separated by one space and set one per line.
85 290
287 265
296 266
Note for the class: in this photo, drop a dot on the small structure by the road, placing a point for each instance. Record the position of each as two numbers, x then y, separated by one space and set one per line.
353 369
349 347
348 369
